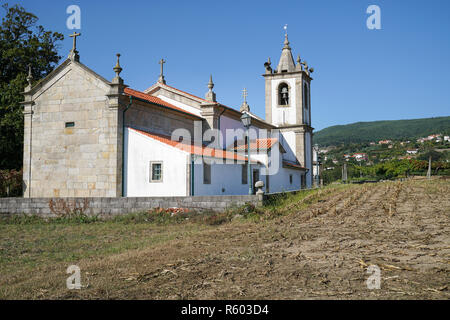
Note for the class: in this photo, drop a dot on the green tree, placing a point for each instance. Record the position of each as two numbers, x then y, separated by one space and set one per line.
22 43
435 155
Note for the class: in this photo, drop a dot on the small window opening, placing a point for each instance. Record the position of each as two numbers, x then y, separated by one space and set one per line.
283 94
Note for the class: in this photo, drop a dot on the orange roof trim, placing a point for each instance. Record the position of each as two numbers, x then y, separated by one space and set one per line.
258 144
194 149
293 165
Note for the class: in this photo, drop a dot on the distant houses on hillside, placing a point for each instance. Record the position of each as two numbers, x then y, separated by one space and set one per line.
436 137
357 156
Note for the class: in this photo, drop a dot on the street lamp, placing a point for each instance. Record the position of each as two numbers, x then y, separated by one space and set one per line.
246 121
317 177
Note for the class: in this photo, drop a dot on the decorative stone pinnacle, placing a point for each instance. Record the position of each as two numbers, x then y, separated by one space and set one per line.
210 84
268 67
29 79
117 69
299 66
161 75
210 95
286 42
30 75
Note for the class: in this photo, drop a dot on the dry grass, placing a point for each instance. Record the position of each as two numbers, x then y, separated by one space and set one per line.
315 244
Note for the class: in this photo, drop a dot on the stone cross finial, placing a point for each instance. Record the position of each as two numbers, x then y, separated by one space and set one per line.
73 55
245 106
74 35
161 75
244 94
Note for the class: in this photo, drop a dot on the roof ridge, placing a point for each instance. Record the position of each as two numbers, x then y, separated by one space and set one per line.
190 94
156 100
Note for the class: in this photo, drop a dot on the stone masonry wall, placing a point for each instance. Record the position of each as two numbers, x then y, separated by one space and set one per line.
157 120
51 207
78 161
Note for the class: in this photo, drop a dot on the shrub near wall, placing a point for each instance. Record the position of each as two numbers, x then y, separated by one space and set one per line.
10 183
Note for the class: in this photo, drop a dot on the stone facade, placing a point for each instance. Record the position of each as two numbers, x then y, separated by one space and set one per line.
71 142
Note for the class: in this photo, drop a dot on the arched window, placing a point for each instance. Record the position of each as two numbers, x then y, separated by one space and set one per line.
283 94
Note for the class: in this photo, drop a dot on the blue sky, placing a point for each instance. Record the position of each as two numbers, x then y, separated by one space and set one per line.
399 72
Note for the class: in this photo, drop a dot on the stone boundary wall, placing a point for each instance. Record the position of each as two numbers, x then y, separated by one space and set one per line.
52 207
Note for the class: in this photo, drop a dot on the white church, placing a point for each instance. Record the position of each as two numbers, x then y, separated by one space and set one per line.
86 136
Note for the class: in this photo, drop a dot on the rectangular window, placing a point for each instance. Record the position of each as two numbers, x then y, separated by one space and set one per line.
156 172
290 178
206 173
244 174
70 124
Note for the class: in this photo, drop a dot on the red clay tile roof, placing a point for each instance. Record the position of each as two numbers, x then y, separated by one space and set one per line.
258 144
155 100
220 104
194 149
293 165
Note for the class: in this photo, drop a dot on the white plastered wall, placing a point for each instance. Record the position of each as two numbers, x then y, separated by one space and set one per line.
140 150
284 115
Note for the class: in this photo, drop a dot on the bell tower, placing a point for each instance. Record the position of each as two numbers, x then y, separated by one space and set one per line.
288 105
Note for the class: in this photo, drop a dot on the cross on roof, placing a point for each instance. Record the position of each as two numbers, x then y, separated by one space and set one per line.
244 94
74 35
161 76
161 62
